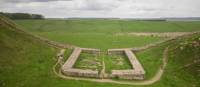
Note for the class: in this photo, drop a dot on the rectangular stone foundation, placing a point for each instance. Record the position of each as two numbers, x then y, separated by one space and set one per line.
136 73
68 69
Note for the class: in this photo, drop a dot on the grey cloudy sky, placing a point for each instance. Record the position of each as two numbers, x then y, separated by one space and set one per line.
105 8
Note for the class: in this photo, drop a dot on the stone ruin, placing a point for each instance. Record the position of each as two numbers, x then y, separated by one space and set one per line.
136 73
68 69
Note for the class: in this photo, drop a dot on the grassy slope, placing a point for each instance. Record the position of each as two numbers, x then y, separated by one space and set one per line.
27 62
23 60
182 52
151 59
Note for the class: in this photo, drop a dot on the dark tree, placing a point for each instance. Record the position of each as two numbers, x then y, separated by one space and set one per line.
37 16
22 15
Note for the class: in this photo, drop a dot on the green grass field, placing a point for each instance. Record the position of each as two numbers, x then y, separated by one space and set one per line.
108 26
100 40
102 33
27 62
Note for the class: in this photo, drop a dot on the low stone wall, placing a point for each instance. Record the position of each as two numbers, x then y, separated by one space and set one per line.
68 69
134 61
137 72
81 73
72 59
127 74
91 51
116 51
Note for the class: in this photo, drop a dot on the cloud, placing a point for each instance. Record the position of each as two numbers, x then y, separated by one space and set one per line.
28 1
104 8
99 5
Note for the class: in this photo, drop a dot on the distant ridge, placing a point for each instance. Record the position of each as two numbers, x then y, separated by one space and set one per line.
137 19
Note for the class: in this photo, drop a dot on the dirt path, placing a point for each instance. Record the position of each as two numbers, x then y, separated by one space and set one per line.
103 73
156 78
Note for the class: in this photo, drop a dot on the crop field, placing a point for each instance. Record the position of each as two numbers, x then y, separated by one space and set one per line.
28 62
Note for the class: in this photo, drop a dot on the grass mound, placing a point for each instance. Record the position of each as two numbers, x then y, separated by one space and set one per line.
24 61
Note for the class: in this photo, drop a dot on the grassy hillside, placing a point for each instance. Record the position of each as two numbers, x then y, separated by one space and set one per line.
183 63
27 62
24 61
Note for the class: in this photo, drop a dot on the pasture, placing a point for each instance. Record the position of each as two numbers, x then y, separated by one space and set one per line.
25 61
102 34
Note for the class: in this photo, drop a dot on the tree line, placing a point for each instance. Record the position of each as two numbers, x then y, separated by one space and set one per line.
22 15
